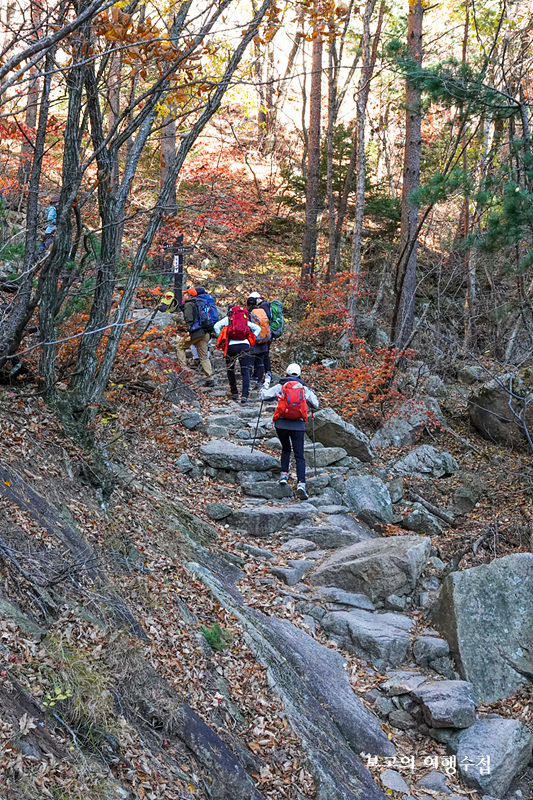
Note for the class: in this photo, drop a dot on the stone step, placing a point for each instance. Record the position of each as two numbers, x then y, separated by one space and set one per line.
263 521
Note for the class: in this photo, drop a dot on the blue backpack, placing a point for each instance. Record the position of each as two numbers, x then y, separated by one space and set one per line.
207 313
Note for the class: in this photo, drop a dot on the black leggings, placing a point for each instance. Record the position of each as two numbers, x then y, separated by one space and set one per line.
239 353
296 438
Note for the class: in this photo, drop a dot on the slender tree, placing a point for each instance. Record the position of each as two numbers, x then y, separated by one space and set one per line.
405 277
313 159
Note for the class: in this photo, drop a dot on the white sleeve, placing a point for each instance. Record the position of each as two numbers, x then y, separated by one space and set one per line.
256 329
220 324
271 393
311 398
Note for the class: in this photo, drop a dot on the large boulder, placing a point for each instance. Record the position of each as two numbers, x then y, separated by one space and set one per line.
491 753
370 498
447 704
426 462
221 454
403 426
332 431
382 638
377 567
495 408
146 320
486 614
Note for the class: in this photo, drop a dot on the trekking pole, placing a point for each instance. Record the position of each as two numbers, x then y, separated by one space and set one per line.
314 442
257 425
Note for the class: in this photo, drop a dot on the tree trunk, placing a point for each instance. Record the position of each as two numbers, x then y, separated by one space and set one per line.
71 178
469 262
313 163
14 323
115 80
168 159
332 118
30 120
405 278
363 90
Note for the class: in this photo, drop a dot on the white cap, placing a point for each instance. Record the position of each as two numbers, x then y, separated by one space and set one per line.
255 295
293 370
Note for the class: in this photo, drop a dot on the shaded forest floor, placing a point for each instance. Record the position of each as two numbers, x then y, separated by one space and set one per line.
134 540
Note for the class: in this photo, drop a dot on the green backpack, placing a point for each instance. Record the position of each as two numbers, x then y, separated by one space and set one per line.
277 323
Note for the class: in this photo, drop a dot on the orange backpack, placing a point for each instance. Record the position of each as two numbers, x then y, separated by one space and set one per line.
292 403
258 315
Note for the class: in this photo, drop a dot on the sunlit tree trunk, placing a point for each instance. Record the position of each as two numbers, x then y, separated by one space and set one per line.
168 159
363 90
313 162
405 278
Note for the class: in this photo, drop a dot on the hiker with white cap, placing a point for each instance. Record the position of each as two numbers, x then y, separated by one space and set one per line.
290 416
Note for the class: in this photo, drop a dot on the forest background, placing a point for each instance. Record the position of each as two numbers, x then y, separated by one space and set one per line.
371 165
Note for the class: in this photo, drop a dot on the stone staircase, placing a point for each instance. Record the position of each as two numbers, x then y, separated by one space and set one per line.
364 590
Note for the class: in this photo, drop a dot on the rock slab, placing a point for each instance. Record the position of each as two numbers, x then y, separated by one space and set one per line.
263 521
447 704
332 431
426 462
368 496
382 638
505 742
486 615
377 568
221 454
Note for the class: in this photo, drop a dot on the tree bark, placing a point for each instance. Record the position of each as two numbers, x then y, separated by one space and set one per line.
168 159
363 90
30 120
313 162
12 329
405 277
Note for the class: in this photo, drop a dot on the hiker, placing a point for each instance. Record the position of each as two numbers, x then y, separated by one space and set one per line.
236 334
259 311
199 330
289 418
51 217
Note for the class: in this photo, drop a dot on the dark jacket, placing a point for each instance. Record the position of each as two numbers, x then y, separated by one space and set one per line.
274 392
190 314
265 305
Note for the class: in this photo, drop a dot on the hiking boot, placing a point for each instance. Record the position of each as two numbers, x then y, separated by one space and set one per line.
233 396
267 380
284 479
244 400
301 492
210 383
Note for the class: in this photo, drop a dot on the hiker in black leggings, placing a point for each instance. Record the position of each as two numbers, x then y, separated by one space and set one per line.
238 350
291 431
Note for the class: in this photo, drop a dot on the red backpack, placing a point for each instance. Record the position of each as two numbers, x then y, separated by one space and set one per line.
238 323
292 403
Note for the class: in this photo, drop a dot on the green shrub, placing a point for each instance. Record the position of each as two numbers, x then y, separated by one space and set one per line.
217 638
